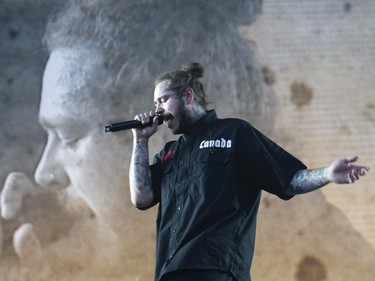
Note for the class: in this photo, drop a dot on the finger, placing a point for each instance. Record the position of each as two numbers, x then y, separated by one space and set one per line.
145 118
364 170
355 175
26 243
155 122
16 187
29 251
351 159
141 116
151 117
351 178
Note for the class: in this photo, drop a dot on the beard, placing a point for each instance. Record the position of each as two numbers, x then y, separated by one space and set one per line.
183 119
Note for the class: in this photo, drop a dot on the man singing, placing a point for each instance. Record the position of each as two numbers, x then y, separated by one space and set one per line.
208 183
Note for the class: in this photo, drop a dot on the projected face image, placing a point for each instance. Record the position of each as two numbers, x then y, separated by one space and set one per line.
78 217
78 158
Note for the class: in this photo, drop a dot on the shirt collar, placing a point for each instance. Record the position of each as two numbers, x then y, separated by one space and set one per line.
199 125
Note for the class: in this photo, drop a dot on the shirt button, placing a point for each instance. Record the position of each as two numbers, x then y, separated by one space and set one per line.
179 208
173 230
182 163
179 185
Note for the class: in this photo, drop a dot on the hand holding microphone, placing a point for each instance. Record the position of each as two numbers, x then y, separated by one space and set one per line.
133 124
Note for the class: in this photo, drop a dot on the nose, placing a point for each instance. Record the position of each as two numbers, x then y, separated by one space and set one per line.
50 171
159 109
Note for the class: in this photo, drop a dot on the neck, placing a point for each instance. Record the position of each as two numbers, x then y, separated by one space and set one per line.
198 113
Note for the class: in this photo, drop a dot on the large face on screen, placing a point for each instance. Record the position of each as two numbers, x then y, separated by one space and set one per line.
79 159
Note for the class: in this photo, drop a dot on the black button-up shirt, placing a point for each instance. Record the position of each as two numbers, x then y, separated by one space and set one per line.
208 185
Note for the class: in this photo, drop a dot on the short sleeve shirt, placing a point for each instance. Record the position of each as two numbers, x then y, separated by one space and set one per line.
208 185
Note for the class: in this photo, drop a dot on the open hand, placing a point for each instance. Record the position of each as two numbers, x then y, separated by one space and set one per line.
343 171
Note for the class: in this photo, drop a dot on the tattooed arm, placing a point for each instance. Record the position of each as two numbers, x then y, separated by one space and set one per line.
139 171
340 171
307 180
140 176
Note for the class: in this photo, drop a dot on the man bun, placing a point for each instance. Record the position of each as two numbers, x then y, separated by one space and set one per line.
195 69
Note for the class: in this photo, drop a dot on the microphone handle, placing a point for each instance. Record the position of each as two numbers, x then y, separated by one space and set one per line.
132 124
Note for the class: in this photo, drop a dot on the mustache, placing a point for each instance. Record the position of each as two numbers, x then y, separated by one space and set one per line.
166 116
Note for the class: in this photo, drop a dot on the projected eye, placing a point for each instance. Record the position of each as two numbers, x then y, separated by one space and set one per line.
68 141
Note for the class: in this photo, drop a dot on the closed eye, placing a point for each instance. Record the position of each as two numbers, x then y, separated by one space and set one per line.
68 140
164 99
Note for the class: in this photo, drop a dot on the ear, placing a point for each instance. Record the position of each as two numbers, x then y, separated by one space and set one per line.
189 96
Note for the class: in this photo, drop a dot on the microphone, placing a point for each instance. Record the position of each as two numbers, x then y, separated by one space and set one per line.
132 124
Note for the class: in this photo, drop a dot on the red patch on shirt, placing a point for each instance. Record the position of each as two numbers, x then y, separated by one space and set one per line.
168 155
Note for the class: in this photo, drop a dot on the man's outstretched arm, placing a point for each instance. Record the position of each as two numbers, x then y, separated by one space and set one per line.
341 171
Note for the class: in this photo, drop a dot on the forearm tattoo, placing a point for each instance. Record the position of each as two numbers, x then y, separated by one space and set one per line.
307 180
139 167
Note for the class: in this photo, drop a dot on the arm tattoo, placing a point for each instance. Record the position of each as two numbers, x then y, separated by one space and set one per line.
307 180
139 167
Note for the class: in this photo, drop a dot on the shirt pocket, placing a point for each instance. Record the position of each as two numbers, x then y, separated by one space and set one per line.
214 172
